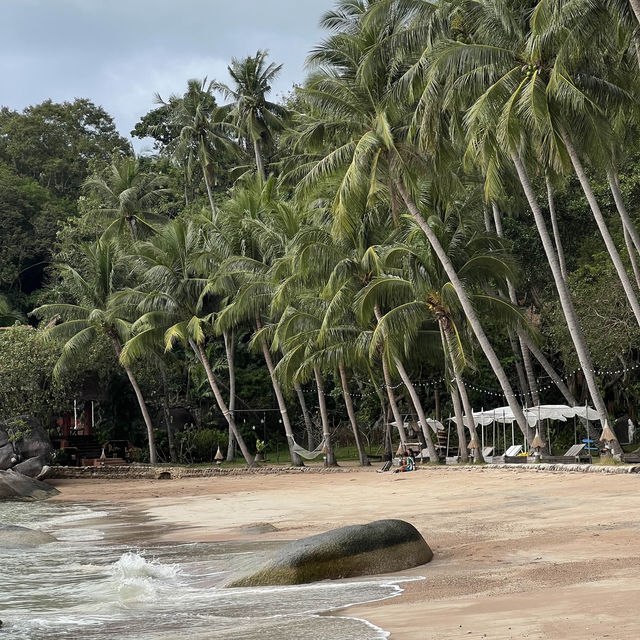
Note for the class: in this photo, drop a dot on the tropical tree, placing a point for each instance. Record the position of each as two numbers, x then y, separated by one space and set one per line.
175 304
204 134
97 311
256 117
128 194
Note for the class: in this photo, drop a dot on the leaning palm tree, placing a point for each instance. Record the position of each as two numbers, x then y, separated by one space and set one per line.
356 125
249 109
97 311
174 304
128 195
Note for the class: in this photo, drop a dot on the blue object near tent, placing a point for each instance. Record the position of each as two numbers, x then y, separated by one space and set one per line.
589 442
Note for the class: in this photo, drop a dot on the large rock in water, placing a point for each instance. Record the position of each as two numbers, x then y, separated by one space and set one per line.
15 486
382 546
12 537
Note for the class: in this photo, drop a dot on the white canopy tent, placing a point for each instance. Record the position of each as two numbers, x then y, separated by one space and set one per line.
534 414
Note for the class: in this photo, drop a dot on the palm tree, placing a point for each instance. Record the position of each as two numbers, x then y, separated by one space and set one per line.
8 314
97 311
204 134
249 110
175 303
507 106
357 126
128 194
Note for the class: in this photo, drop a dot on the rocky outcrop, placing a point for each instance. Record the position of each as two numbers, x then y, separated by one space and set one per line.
24 445
383 546
12 537
15 486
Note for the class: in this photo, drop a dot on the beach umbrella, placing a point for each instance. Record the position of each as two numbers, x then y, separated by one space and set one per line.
537 444
474 447
607 437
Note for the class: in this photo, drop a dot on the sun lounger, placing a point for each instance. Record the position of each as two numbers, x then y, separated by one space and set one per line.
385 467
487 454
633 458
572 456
510 455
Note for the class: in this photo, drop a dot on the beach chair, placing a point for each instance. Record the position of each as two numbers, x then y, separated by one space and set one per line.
510 455
487 454
385 467
573 455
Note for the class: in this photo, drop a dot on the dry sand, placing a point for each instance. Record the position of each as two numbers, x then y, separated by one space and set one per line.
517 554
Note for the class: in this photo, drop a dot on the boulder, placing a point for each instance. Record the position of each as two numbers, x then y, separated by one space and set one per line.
34 442
12 537
7 457
31 467
15 486
382 546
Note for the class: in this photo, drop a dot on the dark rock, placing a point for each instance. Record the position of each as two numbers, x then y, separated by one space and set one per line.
35 441
7 457
383 546
15 486
31 467
12 536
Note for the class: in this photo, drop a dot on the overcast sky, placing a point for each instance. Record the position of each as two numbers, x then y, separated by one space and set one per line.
118 53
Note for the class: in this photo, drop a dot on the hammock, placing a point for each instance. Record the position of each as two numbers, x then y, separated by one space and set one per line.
309 455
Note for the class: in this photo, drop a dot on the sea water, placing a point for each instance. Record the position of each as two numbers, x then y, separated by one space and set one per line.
92 584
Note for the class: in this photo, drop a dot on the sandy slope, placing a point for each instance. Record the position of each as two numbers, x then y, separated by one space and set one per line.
517 555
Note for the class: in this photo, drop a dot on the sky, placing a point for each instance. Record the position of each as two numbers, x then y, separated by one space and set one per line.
120 53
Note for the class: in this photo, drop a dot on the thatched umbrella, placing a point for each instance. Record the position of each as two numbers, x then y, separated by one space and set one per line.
607 437
474 447
537 444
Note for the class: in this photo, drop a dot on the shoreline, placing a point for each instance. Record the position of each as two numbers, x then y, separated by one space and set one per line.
516 554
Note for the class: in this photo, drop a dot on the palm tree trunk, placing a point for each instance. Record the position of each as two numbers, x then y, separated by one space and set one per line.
259 161
132 229
329 457
487 219
635 5
628 227
213 383
308 425
528 384
566 302
415 399
555 228
295 458
445 329
167 416
632 255
229 347
348 401
602 226
153 456
468 309
393 404
209 193
551 372
463 451
186 191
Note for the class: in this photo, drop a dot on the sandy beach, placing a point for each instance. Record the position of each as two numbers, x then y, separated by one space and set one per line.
517 554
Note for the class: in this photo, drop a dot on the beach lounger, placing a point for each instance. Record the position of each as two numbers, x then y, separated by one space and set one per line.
510 455
487 454
572 456
385 467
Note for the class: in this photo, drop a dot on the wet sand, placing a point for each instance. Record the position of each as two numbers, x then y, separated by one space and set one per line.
517 554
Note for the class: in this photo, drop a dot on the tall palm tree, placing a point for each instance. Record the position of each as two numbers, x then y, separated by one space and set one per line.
358 128
204 137
128 194
174 303
255 116
97 311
